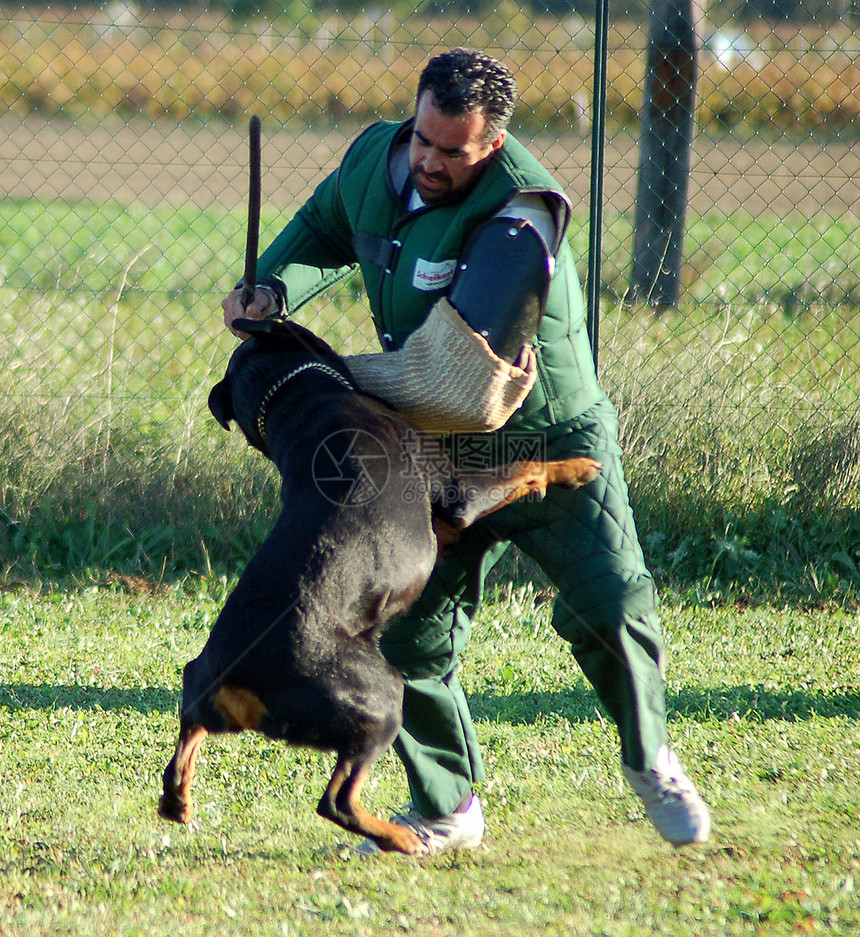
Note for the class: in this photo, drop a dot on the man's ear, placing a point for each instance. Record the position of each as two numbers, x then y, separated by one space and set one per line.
221 403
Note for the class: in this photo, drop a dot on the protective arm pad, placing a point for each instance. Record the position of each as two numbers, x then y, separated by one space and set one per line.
501 284
446 378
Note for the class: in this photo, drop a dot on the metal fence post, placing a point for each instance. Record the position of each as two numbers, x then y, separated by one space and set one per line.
595 213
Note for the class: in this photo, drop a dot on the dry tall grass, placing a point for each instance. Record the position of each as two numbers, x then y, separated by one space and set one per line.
81 63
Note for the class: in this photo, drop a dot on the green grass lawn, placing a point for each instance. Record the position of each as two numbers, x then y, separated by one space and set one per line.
765 711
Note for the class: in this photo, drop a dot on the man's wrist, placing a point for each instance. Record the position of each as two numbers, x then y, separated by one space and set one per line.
274 298
278 293
277 300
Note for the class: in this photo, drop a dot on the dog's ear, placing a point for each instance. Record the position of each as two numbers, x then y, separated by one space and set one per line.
273 325
281 329
221 403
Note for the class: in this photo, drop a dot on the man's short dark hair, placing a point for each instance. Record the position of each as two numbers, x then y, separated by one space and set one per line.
463 81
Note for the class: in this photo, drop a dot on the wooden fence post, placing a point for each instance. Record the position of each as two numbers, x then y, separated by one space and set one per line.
668 114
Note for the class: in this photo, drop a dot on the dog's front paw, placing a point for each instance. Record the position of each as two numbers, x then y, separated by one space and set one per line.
572 473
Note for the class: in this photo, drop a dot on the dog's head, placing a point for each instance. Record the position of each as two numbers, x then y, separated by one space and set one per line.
274 346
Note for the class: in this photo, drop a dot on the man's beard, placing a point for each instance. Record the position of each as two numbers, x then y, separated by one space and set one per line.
436 198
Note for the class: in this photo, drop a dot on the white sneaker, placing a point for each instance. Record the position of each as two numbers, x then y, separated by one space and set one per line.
671 800
456 831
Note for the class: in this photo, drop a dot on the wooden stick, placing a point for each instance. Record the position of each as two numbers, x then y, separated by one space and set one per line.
249 280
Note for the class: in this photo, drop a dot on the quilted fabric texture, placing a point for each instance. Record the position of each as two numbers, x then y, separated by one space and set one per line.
585 542
446 377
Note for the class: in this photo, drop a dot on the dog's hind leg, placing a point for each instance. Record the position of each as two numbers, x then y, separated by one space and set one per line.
175 802
340 804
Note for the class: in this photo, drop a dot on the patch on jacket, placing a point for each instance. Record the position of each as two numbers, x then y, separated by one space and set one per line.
431 275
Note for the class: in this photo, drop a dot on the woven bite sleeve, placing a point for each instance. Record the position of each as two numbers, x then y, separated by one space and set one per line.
446 378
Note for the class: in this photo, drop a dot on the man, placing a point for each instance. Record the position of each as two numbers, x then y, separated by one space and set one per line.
427 208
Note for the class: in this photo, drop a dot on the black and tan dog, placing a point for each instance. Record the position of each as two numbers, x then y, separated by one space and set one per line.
294 654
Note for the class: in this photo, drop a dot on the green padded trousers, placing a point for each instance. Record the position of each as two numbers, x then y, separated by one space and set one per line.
585 541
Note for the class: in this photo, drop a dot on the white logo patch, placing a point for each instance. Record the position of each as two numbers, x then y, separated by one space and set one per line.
433 276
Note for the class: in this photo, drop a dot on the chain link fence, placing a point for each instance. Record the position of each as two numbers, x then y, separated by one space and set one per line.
123 155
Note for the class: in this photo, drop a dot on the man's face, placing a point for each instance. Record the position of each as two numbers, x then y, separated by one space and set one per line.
447 154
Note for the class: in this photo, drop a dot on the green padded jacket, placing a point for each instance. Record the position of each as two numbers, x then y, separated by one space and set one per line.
357 218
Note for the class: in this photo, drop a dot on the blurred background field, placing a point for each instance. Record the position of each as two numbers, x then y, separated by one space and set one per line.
307 62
